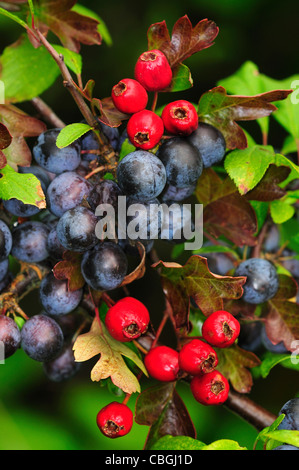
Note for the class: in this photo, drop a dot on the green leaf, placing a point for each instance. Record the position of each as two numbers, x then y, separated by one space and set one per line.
126 148
223 444
177 443
261 211
25 187
72 59
71 133
25 71
215 249
284 436
289 234
247 167
188 443
271 360
281 210
181 79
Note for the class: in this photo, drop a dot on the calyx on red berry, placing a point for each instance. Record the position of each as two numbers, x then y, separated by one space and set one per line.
145 129
153 71
210 389
221 329
197 357
129 96
162 363
127 319
180 117
115 420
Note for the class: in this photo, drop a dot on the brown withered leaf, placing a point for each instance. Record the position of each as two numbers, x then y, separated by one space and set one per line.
111 363
226 212
139 271
108 113
268 188
185 39
70 269
3 161
5 141
282 318
234 364
5 137
195 280
162 408
221 110
69 26
20 125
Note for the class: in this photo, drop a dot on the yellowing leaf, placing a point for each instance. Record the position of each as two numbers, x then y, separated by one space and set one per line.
111 363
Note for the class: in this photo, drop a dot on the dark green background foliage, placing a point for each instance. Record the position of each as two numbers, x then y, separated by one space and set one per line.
38 414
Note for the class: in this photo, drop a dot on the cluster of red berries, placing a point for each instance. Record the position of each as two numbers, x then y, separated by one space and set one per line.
130 96
198 359
128 319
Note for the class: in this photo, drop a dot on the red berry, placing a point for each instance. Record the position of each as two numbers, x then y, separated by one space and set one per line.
145 129
127 319
153 71
221 329
115 420
197 357
210 389
162 363
129 96
180 117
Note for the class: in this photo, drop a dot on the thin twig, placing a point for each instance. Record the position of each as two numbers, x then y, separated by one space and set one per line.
47 113
72 87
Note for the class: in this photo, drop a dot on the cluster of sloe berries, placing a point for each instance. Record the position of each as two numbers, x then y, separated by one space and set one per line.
170 154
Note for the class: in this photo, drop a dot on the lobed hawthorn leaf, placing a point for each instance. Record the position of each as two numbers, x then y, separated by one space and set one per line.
109 114
282 318
185 41
246 167
72 28
162 408
247 80
20 125
111 363
256 164
70 269
268 188
234 363
195 280
25 187
226 212
221 110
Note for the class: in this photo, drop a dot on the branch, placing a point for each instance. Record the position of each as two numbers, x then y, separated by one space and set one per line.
249 410
47 113
28 279
78 98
